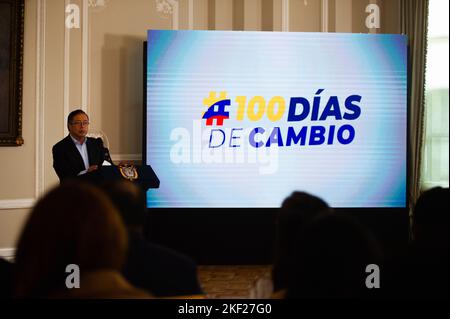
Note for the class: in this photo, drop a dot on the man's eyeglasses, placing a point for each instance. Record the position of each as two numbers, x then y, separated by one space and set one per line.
79 123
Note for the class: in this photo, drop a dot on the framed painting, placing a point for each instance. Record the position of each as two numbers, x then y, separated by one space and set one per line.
11 62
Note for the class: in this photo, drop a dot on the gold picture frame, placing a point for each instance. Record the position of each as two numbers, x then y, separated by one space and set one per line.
11 64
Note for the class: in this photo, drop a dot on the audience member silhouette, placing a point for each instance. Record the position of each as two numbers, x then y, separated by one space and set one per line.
431 219
5 279
430 246
423 271
295 213
162 271
73 224
330 260
317 254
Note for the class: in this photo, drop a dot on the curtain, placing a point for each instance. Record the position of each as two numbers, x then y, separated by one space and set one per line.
414 24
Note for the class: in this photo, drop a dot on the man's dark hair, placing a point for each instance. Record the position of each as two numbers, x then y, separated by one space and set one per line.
330 258
431 217
296 212
129 199
432 207
89 233
75 113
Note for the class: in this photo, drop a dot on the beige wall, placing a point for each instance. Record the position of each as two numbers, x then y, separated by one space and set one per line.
115 86
305 16
17 173
99 68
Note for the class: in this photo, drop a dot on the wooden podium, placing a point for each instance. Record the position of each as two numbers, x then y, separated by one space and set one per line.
146 177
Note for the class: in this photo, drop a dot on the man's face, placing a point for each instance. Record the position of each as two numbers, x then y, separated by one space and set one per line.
79 126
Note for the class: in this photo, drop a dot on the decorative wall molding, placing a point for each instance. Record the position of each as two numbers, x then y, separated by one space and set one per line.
285 15
97 5
373 30
324 16
167 8
164 7
19 203
175 15
66 81
191 14
84 58
8 253
40 97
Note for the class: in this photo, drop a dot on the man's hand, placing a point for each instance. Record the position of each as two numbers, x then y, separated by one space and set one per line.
92 168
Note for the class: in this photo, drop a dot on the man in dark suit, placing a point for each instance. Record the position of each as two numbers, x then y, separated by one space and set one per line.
77 154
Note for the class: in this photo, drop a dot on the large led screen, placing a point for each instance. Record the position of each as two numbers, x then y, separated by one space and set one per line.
243 119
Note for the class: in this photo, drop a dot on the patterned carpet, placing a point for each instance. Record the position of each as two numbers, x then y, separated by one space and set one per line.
235 282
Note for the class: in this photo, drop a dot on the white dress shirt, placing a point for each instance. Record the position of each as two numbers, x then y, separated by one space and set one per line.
82 148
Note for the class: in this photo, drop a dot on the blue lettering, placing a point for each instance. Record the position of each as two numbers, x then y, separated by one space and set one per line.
331 135
351 134
316 104
251 138
292 137
211 137
317 135
292 117
275 137
234 137
349 105
331 109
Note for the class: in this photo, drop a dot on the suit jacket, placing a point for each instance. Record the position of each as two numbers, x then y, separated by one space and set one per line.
67 160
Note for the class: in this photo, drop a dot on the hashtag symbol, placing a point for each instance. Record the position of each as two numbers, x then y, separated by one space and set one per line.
212 98
220 101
